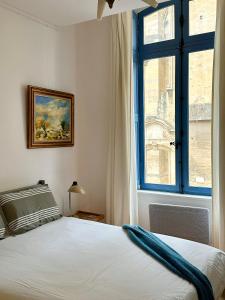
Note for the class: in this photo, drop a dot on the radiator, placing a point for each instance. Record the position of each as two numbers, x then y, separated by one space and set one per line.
191 223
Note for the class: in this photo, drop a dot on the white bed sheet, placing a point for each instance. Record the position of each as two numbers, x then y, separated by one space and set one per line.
72 259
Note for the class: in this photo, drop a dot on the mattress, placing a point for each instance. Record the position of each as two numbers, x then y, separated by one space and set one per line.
73 259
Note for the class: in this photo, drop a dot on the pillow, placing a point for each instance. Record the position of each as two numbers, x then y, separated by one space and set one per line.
28 208
2 226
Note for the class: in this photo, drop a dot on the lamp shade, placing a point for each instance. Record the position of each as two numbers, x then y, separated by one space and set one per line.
75 188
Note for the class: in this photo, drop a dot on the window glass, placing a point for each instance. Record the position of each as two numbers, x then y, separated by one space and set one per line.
159 26
202 16
159 103
200 111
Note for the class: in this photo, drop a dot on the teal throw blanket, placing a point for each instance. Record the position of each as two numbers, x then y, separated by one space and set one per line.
172 260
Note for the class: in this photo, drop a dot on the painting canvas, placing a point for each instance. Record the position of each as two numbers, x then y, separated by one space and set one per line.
50 118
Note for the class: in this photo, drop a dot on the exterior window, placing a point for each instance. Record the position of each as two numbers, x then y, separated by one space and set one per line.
159 26
175 66
159 104
202 16
200 110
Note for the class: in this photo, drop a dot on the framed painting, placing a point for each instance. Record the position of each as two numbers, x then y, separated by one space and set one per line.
50 118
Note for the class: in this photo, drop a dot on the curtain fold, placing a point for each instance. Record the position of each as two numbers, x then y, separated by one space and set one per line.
121 202
218 142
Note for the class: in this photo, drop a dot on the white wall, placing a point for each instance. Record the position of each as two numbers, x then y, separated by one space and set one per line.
93 95
31 53
75 59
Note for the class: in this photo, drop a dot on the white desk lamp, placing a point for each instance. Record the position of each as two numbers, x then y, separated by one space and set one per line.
75 188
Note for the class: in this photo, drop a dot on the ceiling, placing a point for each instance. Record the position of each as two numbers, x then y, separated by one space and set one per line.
66 12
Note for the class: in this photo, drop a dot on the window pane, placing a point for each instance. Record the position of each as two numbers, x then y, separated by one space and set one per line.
200 108
159 26
159 102
202 16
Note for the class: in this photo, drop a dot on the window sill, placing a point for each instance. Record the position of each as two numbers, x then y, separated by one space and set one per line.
146 193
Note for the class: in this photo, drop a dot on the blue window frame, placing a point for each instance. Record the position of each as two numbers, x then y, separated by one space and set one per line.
180 47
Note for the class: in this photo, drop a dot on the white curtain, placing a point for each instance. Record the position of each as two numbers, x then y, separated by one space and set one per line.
121 200
219 131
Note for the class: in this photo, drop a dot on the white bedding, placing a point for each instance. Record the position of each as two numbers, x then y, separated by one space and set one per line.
73 259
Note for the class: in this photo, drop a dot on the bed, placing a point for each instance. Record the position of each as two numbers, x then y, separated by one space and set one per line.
83 260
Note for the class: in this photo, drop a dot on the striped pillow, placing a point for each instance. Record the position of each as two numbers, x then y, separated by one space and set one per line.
2 226
27 209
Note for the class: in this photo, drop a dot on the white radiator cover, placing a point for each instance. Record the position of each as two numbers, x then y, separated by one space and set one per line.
191 223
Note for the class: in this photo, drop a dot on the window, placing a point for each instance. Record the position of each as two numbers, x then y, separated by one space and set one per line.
175 66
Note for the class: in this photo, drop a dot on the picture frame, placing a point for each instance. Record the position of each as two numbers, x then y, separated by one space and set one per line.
50 118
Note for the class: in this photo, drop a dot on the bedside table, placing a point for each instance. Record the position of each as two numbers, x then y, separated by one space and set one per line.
89 216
